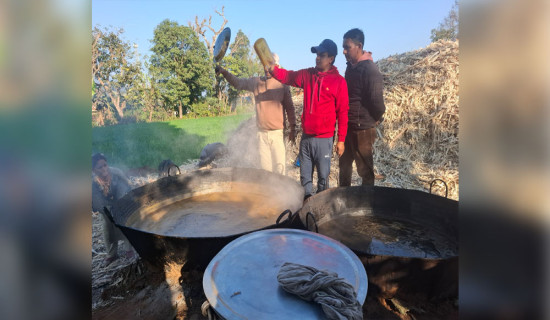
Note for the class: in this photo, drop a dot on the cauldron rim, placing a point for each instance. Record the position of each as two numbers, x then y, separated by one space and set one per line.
409 195
152 246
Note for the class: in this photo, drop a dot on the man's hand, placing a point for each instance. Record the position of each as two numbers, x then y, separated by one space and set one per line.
292 137
340 148
269 68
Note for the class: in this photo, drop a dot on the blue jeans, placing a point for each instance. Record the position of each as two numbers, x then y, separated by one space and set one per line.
315 153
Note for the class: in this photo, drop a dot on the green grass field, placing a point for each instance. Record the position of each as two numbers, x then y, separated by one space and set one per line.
147 144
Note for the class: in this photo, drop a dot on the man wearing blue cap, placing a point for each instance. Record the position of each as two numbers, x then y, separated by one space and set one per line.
325 102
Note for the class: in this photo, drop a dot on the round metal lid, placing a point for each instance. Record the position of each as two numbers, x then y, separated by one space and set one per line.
221 44
241 281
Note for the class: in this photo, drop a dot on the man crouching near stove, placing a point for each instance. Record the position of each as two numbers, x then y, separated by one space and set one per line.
108 185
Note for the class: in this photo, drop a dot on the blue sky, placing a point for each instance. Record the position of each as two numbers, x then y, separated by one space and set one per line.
289 27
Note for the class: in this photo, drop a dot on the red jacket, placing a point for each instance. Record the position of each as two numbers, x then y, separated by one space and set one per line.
325 100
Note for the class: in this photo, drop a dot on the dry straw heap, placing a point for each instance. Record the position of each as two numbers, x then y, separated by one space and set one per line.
418 139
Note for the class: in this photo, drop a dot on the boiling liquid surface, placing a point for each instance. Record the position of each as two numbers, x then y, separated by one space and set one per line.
215 214
385 236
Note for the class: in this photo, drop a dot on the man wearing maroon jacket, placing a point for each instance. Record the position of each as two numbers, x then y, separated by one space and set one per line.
325 102
366 109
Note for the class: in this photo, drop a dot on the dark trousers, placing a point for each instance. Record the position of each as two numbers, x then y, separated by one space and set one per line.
315 153
358 148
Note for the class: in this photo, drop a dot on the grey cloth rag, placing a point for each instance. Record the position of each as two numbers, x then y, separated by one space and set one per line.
335 295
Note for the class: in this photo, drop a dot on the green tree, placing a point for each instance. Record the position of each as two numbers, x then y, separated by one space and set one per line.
448 28
201 28
145 98
180 65
246 61
114 72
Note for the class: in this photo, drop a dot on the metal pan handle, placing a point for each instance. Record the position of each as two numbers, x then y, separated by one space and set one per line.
446 188
179 171
287 211
314 222
108 214
208 312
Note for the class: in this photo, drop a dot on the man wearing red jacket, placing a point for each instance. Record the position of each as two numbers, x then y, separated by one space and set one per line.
325 102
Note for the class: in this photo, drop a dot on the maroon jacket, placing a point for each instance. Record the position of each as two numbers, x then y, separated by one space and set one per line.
325 100
366 93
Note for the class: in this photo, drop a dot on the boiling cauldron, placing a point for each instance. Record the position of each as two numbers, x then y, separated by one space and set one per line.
189 218
406 239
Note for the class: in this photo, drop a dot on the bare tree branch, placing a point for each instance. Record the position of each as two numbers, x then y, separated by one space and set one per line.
236 44
201 28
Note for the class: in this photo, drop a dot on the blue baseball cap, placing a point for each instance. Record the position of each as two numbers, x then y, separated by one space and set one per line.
326 46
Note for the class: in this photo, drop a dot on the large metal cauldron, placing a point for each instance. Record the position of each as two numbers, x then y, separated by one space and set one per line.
189 218
406 239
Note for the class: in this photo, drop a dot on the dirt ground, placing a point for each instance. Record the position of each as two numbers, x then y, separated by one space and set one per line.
130 289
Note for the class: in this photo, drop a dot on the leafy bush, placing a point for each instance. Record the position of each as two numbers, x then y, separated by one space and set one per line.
128 119
201 109
210 107
142 115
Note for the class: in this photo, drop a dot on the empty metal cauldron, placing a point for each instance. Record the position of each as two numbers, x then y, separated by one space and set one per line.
406 239
189 218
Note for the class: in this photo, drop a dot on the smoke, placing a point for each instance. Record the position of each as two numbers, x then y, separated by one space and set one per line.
242 147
